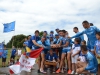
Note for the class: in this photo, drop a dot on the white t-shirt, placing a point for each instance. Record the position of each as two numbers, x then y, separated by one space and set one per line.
19 52
75 48
82 59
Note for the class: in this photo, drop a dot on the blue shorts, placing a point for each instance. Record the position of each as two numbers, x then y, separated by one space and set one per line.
65 50
95 70
45 51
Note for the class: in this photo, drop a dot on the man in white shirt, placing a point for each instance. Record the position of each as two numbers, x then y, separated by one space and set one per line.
19 52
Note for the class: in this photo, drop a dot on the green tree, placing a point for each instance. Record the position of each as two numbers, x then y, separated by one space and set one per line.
18 40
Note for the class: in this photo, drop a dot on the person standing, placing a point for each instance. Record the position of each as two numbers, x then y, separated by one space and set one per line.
90 31
52 33
13 53
32 44
4 56
19 52
25 44
1 49
57 31
65 43
81 37
43 53
75 54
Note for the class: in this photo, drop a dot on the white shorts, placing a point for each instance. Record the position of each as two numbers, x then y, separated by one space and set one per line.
74 59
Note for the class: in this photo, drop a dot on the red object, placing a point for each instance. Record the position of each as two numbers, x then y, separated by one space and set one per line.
33 54
11 72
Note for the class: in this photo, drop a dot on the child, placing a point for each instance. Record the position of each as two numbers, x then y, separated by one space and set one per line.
4 56
81 56
75 54
51 60
83 42
97 50
19 52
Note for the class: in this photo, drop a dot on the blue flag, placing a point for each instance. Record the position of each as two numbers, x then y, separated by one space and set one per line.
8 27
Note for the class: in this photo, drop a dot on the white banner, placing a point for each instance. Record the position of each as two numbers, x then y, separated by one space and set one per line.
25 64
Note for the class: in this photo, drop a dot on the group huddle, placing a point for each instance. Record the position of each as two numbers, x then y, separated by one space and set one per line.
59 50
61 53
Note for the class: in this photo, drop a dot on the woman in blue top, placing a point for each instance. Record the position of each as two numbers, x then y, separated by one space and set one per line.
41 63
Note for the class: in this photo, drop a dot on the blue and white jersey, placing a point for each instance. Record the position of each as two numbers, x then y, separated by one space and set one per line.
91 34
92 62
60 38
75 48
56 41
97 45
81 37
64 41
30 43
47 42
45 45
4 54
26 43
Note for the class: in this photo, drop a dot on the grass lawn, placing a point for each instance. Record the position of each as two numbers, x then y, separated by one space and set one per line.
8 57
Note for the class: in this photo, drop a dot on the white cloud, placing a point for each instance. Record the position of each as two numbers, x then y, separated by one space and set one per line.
47 15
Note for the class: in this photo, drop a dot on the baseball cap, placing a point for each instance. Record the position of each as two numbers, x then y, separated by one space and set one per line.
51 31
56 34
57 29
45 32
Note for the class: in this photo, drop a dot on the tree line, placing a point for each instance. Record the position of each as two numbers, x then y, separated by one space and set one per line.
18 40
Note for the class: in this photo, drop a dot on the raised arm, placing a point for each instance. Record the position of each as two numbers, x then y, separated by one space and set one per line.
77 35
97 30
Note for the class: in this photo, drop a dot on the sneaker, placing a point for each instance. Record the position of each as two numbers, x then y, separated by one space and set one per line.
69 72
42 71
58 71
72 72
53 72
62 71
29 71
76 73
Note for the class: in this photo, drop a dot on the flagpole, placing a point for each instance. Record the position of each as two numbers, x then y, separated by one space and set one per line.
13 38
10 27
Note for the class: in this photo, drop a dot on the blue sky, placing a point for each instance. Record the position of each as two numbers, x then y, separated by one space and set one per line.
47 15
